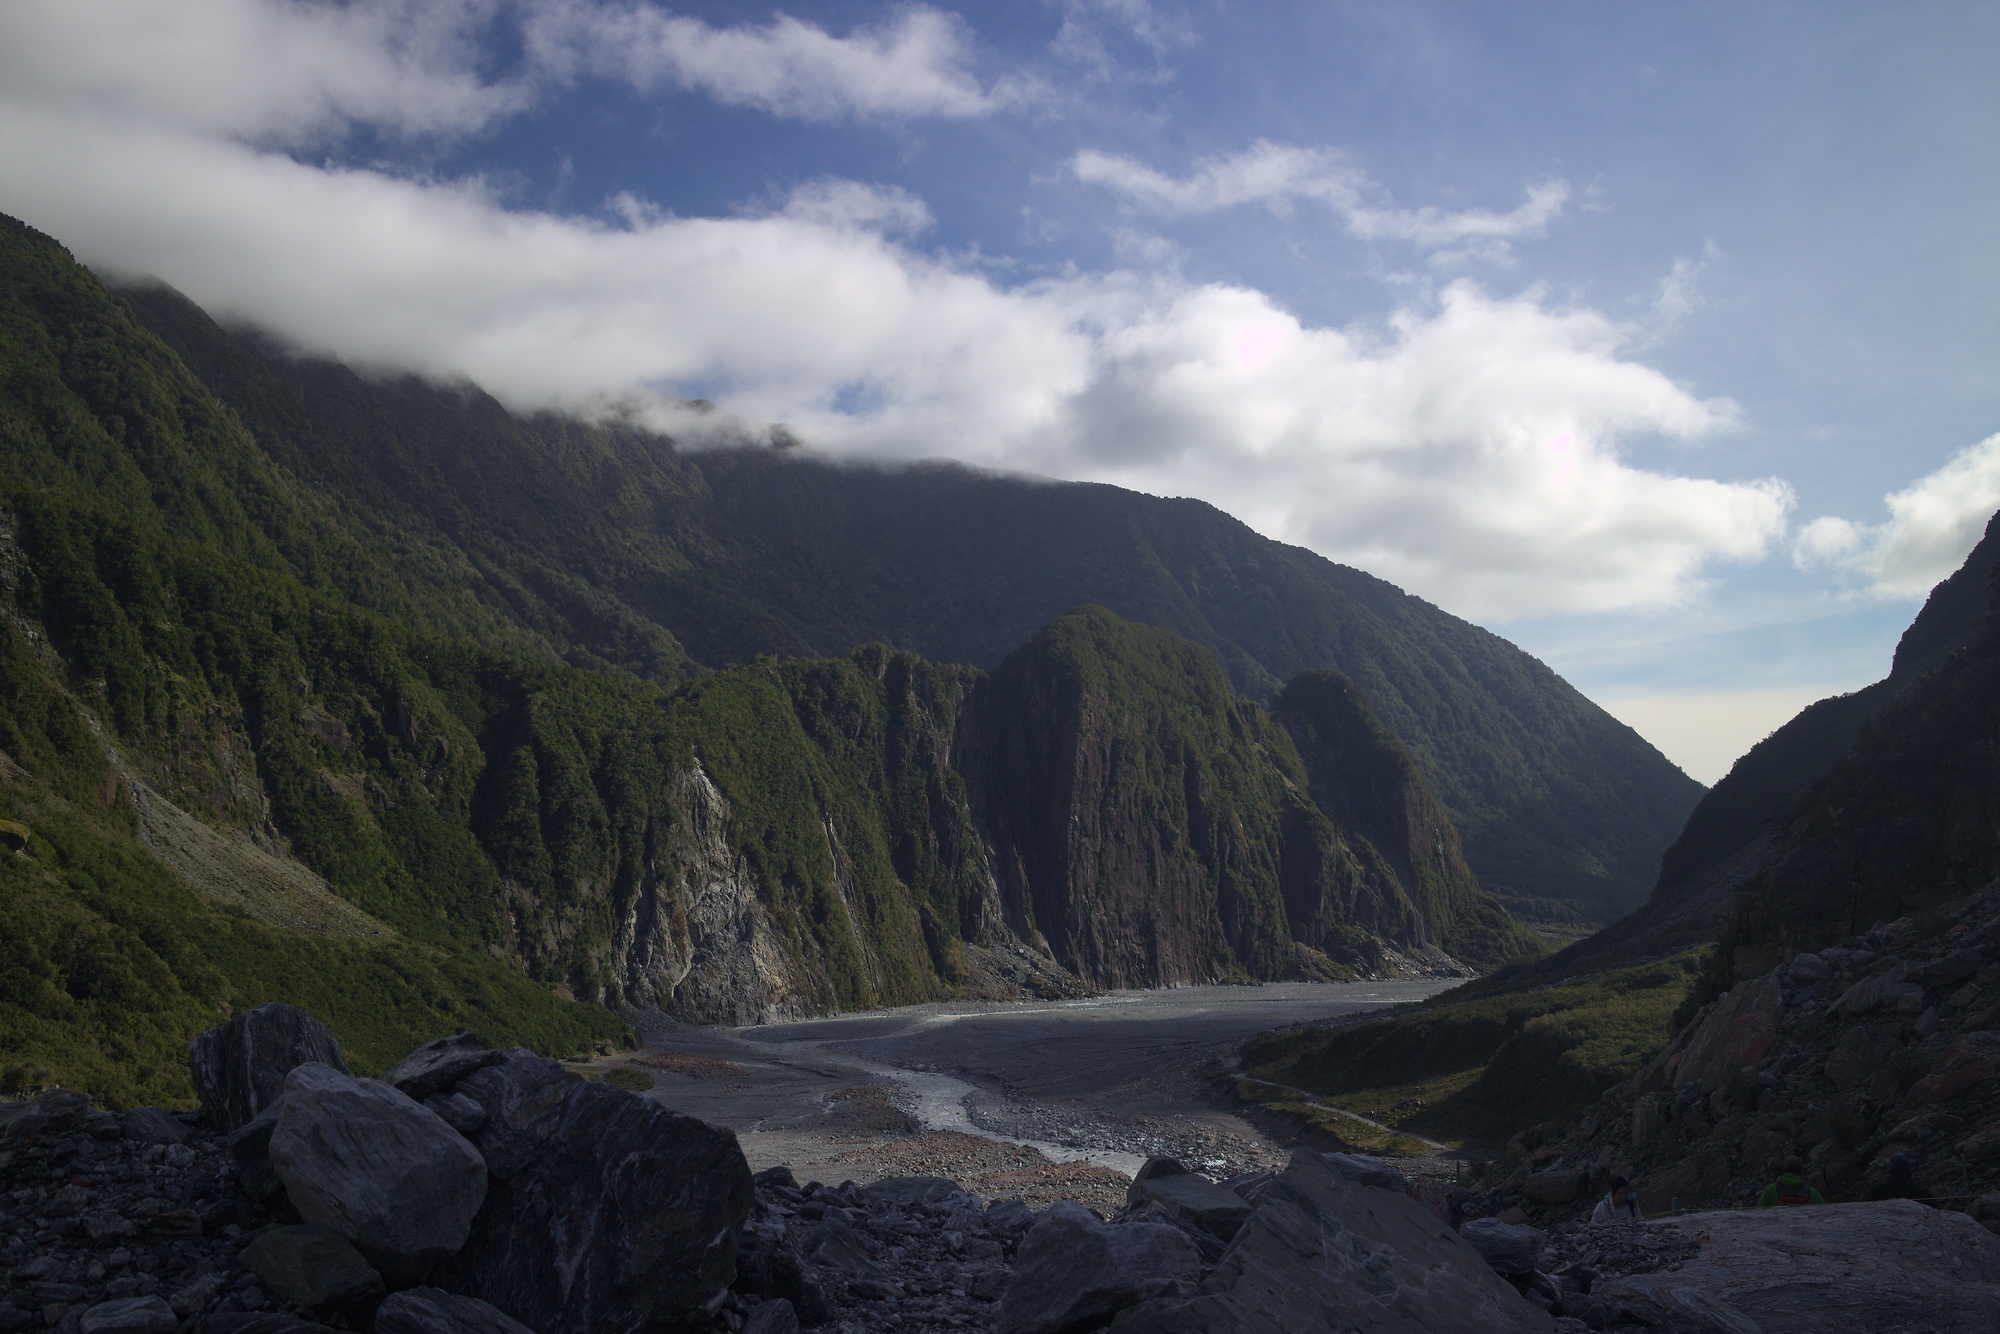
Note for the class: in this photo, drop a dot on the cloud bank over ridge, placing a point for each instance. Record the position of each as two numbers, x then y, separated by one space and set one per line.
1469 449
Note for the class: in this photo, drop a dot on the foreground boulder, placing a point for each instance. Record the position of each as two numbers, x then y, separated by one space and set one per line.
1323 1255
239 1068
1074 1270
361 1159
1890 1267
607 1213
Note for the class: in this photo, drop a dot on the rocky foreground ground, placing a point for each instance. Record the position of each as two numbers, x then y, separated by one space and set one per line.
473 1191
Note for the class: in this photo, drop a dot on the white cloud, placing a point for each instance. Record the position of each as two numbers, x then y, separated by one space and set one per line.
299 72
916 64
1469 449
263 69
1932 524
1278 175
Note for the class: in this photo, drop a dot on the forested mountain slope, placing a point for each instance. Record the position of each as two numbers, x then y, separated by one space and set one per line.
601 545
257 742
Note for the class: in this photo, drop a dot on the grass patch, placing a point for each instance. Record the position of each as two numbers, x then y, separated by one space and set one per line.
1486 1068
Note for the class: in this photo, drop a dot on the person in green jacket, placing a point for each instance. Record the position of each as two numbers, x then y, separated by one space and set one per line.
1790 1188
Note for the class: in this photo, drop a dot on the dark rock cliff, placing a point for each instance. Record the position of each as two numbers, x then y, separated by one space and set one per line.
1907 820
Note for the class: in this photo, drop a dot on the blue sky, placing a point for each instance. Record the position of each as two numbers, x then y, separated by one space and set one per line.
1614 328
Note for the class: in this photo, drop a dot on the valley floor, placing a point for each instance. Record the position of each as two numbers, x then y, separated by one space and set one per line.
1037 1099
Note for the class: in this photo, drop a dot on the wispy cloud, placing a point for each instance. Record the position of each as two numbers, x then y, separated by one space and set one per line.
1281 175
292 73
1932 524
915 64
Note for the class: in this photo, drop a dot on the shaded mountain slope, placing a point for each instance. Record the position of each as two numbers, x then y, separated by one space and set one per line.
1907 820
1728 838
600 545
253 748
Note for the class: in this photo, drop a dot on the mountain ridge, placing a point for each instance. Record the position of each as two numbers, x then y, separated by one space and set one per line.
669 563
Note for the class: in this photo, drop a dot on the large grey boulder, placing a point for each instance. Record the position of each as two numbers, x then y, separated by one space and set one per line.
311 1266
130 1315
1887 1267
440 1063
240 1067
361 1159
429 1311
1073 1270
254 1322
1323 1255
48 1113
607 1214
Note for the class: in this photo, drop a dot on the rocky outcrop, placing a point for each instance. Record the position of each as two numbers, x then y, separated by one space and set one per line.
698 943
1885 1043
1892 1267
240 1068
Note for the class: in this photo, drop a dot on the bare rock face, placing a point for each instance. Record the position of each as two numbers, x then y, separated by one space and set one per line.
1736 1033
361 1159
608 1214
438 1064
1074 1271
429 1311
1888 1267
1322 1255
240 1067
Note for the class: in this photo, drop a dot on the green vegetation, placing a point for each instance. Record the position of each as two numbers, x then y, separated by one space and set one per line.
601 546
435 654
1485 1068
